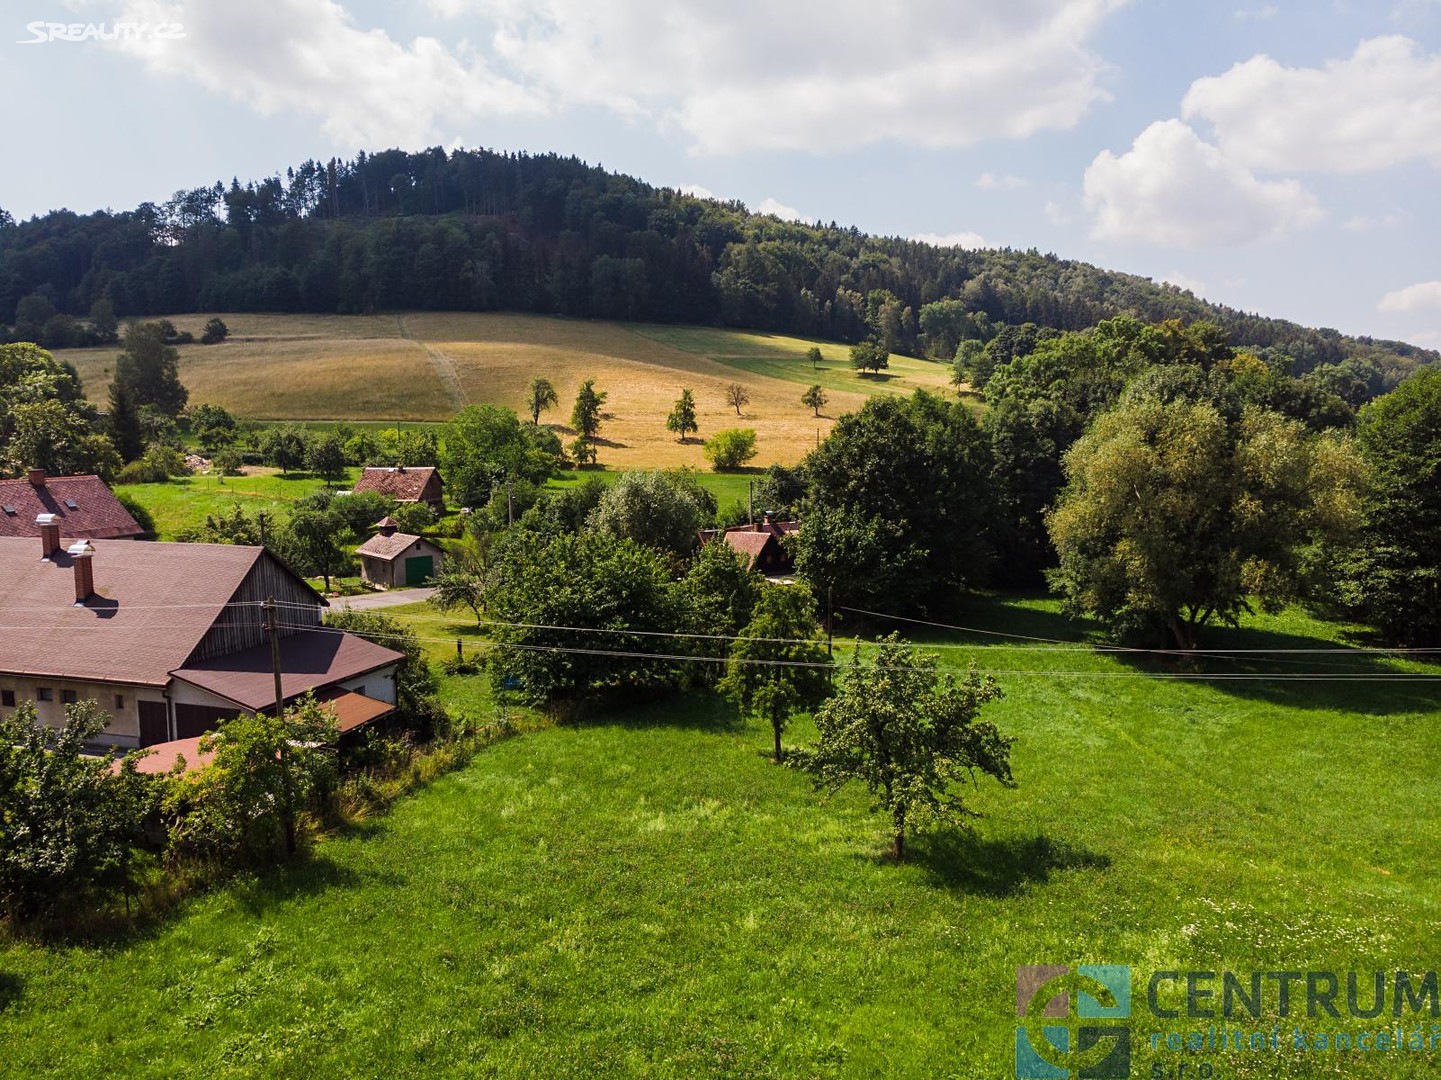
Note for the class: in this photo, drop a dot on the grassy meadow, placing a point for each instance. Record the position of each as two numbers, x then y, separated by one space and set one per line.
425 366
645 894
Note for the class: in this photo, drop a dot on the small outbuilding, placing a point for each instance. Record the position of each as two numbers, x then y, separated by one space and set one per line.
395 560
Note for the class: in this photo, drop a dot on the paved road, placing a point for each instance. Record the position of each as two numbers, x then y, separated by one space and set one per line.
371 601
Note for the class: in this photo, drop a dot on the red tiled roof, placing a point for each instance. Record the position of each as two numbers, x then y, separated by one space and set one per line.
385 547
153 603
404 484
311 660
97 514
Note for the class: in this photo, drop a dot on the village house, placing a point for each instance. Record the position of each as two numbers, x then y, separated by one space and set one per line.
760 543
405 485
391 559
169 639
84 506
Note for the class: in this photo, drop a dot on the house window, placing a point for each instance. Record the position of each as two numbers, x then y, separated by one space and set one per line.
68 697
7 698
119 701
44 693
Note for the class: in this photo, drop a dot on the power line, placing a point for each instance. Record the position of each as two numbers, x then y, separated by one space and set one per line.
1399 676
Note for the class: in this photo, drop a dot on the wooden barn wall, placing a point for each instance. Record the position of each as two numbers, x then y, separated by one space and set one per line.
239 628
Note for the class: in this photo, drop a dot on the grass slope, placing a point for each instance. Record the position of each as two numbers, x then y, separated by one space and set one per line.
648 895
425 366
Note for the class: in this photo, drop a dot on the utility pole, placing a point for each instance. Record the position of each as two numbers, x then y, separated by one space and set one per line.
287 811
273 632
751 502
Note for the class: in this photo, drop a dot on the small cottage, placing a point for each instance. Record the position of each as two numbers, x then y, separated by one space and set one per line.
761 544
395 560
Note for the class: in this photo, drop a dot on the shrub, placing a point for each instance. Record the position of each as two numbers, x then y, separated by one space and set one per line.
732 448
67 821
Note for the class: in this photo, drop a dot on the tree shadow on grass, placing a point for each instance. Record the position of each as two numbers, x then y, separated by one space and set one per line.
694 711
1284 669
308 876
970 863
11 988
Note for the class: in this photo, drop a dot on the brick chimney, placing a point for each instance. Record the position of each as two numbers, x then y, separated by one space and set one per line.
49 534
37 478
80 554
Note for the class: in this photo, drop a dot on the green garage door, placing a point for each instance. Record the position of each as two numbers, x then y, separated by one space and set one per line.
419 569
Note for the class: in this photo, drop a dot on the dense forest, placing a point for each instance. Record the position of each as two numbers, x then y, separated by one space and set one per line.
477 230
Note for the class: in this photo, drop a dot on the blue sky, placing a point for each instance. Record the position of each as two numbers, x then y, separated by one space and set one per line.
1277 157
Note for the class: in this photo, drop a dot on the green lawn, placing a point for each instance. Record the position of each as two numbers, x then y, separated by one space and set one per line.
185 502
726 487
646 895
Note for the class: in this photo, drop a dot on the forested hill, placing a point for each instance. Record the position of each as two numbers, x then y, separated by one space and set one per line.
478 230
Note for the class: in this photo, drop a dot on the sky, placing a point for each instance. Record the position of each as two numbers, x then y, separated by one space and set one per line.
1276 157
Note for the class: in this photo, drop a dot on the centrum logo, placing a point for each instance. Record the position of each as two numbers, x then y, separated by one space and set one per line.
1072 1023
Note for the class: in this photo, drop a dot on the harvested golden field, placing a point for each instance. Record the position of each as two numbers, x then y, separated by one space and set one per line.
425 365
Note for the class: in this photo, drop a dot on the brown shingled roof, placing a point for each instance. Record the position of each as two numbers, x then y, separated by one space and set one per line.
403 484
153 603
308 660
385 547
96 515
352 710
749 544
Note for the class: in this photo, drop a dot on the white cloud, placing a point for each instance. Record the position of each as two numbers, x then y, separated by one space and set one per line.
1423 296
817 75
697 191
307 56
779 209
1364 223
1173 188
1260 14
968 240
1055 213
1379 108
1185 281
990 181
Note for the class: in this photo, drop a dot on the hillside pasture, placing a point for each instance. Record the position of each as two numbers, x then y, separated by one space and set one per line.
424 366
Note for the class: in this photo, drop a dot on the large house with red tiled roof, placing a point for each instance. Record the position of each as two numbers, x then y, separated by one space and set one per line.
84 506
405 484
169 638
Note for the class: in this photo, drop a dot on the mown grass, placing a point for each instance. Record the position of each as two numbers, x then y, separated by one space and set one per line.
647 895
423 366
185 502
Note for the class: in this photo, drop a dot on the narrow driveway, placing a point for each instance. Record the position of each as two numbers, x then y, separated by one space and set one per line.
372 601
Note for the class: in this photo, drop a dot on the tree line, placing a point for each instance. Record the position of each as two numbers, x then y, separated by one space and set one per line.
478 230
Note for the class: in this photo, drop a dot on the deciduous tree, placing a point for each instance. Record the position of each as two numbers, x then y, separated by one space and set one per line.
778 665
737 396
814 398
682 417
911 736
